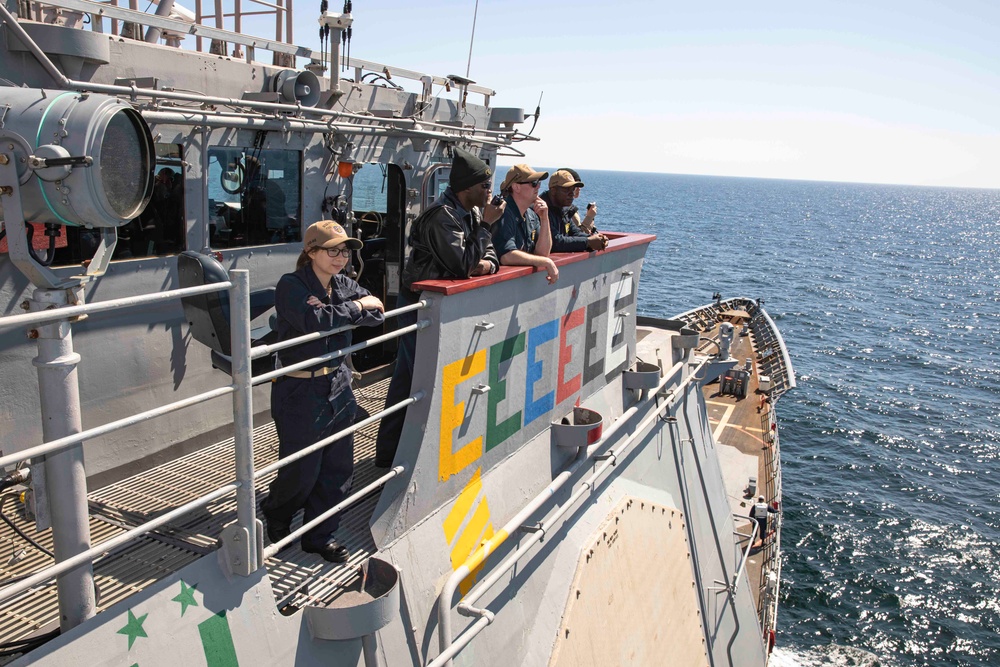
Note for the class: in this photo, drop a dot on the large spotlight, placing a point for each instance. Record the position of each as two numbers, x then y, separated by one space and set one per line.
82 159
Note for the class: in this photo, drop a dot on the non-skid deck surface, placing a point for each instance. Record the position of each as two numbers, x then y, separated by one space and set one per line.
296 577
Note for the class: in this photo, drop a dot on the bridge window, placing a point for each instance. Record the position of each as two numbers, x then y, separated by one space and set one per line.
377 194
369 189
254 196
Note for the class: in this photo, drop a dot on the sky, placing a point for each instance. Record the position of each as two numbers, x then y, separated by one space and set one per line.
881 91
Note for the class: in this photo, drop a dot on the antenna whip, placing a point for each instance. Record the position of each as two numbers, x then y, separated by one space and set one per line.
472 40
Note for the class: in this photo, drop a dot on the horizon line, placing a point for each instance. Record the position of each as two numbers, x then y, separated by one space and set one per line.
776 178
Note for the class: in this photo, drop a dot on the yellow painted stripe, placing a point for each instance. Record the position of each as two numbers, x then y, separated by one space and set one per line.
463 505
472 534
450 461
722 423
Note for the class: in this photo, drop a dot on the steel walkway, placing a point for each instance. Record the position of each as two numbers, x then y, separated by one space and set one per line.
296 577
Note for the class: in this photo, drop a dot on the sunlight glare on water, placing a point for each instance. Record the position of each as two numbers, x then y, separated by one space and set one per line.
888 299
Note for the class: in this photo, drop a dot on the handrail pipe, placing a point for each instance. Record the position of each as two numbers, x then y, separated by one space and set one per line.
450 648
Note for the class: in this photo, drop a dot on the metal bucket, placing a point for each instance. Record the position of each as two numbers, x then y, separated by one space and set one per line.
359 612
579 428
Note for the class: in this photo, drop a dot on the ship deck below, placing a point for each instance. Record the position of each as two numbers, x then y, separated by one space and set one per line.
742 428
297 578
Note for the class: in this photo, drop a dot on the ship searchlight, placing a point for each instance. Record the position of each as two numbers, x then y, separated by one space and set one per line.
82 159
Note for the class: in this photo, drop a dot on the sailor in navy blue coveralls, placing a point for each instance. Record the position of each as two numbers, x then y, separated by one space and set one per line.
313 404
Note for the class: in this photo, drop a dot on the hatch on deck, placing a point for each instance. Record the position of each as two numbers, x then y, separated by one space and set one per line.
633 598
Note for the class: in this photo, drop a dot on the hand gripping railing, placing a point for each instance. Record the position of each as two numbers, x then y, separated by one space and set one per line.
238 287
449 648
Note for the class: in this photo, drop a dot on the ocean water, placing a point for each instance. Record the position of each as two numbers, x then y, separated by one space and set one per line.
889 300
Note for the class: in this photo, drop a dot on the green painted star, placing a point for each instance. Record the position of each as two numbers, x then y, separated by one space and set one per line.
186 597
133 628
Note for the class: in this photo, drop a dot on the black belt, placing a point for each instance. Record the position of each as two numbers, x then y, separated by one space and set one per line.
305 375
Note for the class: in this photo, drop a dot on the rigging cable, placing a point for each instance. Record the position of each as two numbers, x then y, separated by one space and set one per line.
20 532
27 644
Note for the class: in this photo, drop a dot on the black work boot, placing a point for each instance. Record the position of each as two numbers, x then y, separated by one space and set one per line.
332 551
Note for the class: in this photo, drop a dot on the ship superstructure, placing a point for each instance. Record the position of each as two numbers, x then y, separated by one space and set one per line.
564 490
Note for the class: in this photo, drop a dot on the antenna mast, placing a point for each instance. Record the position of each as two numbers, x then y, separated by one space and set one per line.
472 41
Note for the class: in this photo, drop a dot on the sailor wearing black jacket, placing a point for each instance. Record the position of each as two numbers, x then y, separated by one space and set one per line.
451 239
312 404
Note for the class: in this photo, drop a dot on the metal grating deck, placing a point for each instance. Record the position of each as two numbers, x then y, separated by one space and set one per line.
297 578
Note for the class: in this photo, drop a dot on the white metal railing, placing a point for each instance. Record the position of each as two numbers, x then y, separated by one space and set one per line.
786 358
768 597
83 557
734 585
48 316
342 505
358 124
239 295
449 647
102 10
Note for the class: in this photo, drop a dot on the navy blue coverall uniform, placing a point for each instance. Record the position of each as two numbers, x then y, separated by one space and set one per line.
306 410
566 234
514 231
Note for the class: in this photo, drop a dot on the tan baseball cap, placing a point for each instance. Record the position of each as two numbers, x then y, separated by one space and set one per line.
564 179
327 234
522 173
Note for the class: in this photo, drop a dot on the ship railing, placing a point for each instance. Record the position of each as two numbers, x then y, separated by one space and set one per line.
536 533
245 476
741 540
773 357
326 120
246 45
773 353
768 590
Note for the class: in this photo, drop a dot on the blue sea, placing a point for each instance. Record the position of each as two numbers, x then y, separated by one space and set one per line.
888 298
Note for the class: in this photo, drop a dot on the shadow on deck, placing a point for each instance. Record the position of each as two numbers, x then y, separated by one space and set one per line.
297 578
